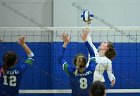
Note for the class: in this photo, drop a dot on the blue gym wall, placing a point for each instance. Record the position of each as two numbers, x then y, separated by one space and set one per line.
46 73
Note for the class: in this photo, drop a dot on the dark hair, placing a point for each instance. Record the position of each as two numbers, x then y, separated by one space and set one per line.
111 52
9 59
97 89
84 62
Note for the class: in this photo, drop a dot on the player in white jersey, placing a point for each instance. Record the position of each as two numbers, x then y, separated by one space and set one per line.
103 58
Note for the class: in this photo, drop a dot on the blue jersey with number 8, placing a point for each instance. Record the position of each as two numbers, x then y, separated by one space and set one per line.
81 82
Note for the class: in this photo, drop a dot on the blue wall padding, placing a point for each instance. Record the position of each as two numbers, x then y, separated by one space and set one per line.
46 73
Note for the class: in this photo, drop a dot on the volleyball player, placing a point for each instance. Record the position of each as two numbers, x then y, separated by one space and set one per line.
80 77
11 72
97 89
103 58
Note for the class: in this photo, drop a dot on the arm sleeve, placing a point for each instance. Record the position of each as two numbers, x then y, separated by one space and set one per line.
91 52
92 45
30 59
92 56
61 59
96 59
110 73
67 68
27 62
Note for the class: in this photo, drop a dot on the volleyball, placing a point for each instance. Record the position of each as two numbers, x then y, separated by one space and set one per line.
87 16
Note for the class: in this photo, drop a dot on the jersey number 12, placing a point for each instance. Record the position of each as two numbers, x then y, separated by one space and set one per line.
9 80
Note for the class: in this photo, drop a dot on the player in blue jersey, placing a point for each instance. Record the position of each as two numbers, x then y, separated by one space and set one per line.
80 77
97 89
11 73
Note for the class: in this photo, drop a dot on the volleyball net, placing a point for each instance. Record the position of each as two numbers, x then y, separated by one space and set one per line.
46 75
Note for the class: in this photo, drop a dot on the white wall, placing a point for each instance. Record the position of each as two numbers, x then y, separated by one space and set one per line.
66 13
116 12
26 13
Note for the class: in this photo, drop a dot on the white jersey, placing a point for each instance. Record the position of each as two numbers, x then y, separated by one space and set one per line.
103 63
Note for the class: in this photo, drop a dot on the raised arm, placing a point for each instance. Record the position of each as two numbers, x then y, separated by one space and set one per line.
91 51
84 37
66 40
30 54
61 60
92 45
96 54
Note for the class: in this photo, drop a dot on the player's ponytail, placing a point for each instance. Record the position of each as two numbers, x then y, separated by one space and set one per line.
111 52
97 89
9 59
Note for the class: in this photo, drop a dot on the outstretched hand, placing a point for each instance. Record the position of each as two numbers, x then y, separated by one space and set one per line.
65 38
21 41
85 34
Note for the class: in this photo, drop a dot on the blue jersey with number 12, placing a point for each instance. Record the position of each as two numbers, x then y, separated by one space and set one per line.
10 81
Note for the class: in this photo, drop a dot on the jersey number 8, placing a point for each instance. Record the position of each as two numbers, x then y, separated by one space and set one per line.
83 83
